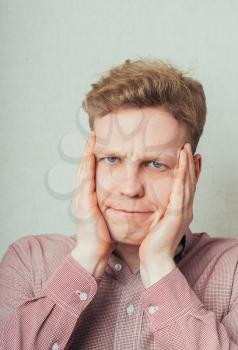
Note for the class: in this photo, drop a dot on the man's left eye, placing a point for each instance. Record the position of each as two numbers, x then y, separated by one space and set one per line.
157 165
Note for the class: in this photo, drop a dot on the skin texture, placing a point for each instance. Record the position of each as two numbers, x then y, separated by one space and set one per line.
145 171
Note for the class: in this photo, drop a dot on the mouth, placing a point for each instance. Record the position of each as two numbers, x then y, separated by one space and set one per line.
133 214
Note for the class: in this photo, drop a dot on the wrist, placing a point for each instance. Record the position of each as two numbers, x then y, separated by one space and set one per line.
156 269
90 261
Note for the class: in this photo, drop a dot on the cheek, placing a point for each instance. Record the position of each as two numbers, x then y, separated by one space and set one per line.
159 190
104 184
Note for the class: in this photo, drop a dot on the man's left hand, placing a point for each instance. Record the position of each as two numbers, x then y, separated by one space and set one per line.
157 250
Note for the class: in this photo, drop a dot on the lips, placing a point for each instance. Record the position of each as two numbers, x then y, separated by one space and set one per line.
132 214
127 211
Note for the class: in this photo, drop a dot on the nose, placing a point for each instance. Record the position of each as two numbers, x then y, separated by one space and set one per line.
130 183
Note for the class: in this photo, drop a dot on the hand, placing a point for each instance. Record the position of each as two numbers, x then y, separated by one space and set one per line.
158 248
92 232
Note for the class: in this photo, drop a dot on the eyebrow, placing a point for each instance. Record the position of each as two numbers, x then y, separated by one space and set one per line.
153 156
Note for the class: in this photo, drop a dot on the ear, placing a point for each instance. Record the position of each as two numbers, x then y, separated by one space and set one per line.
198 166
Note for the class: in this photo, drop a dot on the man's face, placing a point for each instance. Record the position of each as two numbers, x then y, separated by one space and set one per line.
136 152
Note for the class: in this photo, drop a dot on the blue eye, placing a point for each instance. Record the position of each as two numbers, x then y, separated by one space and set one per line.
110 159
157 164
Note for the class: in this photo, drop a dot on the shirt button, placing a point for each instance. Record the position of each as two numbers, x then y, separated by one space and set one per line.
55 346
118 267
130 309
82 295
152 309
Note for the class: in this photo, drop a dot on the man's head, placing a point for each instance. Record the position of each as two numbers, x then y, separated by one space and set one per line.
143 113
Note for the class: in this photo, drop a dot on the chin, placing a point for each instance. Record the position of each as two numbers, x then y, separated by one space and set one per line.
129 241
134 237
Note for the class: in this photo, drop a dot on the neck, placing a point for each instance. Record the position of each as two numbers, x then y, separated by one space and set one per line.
129 254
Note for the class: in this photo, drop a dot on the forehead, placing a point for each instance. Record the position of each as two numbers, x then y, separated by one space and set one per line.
141 128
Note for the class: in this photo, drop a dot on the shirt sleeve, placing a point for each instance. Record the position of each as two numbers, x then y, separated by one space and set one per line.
46 320
179 320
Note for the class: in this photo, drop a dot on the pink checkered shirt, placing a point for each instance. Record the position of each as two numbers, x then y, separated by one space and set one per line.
48 301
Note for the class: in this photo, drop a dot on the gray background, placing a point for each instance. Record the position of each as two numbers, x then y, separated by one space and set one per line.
50 53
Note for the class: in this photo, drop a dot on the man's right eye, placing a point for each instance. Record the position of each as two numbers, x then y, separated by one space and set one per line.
110 160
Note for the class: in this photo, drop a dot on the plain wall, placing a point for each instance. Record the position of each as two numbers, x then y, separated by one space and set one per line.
50 53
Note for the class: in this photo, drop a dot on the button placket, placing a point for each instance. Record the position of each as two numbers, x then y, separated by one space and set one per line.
152 309
130 309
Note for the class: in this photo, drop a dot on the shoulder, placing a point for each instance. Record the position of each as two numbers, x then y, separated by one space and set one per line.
28 263
43 244
40 253
225 245
221 252
48 246
212 269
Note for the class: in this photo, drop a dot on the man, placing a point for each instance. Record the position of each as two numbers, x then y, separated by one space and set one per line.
133 276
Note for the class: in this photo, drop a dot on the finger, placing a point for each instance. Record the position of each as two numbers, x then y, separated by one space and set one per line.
177 194
90 164
187 186
82 163
157 217
87 166
84 175
191 167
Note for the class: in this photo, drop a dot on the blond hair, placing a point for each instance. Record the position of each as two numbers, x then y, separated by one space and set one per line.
148 82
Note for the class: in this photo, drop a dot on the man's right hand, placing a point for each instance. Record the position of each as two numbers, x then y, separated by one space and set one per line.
94 244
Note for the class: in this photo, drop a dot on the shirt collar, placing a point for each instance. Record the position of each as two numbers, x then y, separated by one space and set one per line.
184 246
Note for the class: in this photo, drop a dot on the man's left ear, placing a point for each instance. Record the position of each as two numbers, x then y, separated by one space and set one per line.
198 165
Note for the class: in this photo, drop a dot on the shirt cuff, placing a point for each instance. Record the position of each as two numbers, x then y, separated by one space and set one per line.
168 299
71 286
